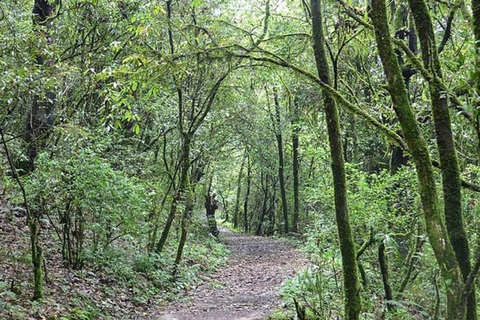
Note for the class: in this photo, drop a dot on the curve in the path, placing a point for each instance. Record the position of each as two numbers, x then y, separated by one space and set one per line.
248 286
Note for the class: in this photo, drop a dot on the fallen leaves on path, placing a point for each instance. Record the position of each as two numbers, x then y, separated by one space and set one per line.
247 288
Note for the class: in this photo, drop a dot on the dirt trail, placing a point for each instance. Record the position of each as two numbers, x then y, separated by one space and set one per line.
247 288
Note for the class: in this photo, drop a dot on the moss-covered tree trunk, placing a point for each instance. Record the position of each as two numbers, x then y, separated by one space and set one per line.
446 148
40 119
417 145
382 260
247 196
476 32
37 256
347 246
168 224
186 196
178 196
211 205
236 212
33 225
281 161
295 166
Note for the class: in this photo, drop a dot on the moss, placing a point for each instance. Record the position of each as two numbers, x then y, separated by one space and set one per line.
37 259
418 148
347 245
448 159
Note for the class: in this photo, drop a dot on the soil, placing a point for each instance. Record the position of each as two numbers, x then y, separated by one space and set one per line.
247 288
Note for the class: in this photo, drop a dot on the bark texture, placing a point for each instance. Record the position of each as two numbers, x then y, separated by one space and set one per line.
436 231
211 205
384 270
295 167
446 148
239 192
476 32
347 246
281 162
246 226
184 194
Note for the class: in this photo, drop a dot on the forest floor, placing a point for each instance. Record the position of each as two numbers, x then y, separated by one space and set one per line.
247 287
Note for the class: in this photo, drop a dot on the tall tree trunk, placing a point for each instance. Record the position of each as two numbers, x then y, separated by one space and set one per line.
39 121
155 215
281 164
295 166
436 231
264 184
171 216
247 195
37 256
476 33
272 208
179 192
185 195
446 148
347 246
384 270
211 205
33 225
40 118
239 192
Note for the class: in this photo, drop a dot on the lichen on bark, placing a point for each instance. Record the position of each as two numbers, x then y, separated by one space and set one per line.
436 231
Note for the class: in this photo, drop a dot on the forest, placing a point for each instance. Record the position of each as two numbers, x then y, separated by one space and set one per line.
149 147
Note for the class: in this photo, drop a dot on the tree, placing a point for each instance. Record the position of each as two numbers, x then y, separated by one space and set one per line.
236 211
39 121
211 205
295 163
281 163
476 33
347 246
436 231
446 147
195 98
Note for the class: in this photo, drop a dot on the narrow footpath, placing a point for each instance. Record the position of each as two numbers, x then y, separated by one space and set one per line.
247 288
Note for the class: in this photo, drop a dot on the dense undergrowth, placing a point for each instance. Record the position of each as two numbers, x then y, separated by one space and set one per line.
99 217
387 212
120 282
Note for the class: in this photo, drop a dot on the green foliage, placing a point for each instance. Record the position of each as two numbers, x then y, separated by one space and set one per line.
280 315
114 151
89 203
312 290
383 208
80 314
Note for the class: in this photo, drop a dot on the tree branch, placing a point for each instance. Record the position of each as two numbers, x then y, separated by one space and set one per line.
349 106
448 31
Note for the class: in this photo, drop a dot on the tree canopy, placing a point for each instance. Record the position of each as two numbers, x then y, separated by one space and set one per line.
131 129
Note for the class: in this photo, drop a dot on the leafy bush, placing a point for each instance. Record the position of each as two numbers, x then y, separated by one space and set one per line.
89 203
312 291
383 208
